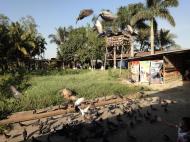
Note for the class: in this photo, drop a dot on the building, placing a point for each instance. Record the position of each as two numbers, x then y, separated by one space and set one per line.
162 67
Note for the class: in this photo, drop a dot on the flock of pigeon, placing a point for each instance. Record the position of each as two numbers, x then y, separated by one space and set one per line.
91 123
106 15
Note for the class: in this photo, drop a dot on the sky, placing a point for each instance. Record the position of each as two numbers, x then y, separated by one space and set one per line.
50 14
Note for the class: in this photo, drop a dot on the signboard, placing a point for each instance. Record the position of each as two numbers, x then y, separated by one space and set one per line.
156 71
145 71
135 71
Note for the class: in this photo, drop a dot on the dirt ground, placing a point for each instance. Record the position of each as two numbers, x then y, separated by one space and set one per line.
132 121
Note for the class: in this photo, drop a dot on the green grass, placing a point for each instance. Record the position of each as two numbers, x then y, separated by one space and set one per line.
42 90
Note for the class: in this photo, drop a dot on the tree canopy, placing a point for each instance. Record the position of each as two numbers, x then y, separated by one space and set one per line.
19 41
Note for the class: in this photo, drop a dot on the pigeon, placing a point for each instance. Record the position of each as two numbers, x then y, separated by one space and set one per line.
98 26
131 137
15 92
166 137
84 111
107 15
131 124
35 140
24 125
84 13
153 108
148 113
7 135
25 135
79 101
34 111
165 109
130 29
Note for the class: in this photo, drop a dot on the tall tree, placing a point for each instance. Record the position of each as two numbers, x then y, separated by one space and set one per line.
60 37
152 10
19 41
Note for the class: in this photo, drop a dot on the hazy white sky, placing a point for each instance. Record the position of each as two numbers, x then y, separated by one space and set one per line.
50 14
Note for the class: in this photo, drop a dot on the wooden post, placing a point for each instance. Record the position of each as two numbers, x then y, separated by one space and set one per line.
132 46
114 58
164 69
121 58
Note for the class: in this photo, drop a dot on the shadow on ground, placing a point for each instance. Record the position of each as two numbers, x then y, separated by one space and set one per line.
122 125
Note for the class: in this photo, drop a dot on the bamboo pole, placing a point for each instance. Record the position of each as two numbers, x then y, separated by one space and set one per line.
22 117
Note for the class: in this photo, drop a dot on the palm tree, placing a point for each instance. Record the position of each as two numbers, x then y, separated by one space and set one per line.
60 37
126 13
152 10
166 40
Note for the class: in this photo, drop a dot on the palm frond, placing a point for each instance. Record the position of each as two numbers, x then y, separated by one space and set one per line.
169 3
165 14
142 15
152 3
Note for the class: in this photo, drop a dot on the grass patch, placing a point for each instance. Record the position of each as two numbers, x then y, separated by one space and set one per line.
42 90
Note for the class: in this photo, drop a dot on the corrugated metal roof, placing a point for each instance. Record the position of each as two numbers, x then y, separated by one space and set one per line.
144 55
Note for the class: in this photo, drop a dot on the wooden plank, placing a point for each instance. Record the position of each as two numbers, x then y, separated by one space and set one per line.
22 117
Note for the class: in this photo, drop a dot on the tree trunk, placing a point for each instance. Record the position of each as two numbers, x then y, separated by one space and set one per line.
152 37
121 61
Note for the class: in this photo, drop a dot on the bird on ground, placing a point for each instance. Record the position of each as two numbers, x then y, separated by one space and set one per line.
154 119
153 108
165 109
15 92
118 117
131 124
79 101
34 111
7 135
146 117
35 140
25 134
166 138
137 119
85 110
46 130
139 107
98 114
112 112
148 113
140 114
32 133
105 139
24 125
37 122
84 13
131 137
48 138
